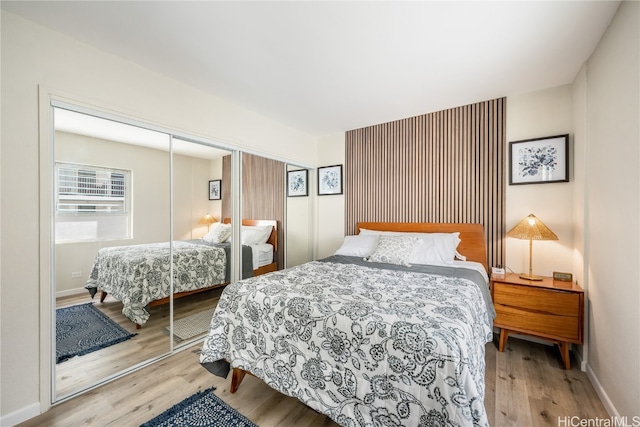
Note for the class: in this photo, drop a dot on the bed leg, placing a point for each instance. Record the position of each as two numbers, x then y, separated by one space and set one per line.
103 295
237 375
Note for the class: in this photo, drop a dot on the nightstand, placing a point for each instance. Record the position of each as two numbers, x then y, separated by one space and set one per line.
548 309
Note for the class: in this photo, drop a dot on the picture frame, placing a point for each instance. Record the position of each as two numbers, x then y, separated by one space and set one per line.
539 160
215 189
329 180
298 183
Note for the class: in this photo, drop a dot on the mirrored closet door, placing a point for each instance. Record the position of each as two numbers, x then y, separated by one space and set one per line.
137 269
111 192
202 244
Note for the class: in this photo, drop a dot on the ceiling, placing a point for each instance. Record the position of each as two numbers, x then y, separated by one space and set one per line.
325 67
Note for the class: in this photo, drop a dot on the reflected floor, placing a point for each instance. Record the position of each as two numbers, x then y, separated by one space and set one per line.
81 372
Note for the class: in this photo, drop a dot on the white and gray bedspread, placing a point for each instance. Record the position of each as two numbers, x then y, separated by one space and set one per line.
364 343
140 274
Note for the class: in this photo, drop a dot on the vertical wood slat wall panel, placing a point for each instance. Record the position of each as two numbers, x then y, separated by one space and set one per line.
447 166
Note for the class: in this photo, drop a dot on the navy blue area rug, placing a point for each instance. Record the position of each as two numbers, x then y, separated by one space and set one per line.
82 329
203 409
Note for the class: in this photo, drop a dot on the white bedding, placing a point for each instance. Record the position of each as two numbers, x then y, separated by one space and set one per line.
364 343
262 255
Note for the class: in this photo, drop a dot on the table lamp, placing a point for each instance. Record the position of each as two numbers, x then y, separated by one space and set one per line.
208 219
531 228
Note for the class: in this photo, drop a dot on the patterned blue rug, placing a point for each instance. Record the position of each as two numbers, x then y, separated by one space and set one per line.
82 329
203 409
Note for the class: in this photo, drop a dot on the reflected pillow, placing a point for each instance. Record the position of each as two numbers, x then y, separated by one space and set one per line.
360 245
255 234
394 250
220 233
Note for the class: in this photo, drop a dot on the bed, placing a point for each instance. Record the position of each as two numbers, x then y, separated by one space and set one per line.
364 339
138 275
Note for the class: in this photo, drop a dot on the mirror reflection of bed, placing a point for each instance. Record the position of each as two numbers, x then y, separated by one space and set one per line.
139 275
151 339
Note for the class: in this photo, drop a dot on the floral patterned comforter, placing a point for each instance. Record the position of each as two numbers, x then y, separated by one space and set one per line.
139 274
363 345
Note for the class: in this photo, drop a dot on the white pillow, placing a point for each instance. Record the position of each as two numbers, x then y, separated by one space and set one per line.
360 245
394 250
434 248
437 248
220 233
255 234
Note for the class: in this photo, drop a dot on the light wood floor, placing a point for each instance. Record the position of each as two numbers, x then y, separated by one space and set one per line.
525 386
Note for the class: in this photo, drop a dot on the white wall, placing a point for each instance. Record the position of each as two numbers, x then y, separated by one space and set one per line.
191 177
534 115
31 56
613 212
330 209
300 224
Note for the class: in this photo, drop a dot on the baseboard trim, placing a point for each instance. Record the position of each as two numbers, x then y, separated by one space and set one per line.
581 362
21 415
602 394
71 292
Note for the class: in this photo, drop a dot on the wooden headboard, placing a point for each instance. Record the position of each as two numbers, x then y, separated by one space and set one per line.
472 240
273 237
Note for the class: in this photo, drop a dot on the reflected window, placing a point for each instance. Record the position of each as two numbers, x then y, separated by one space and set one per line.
92 203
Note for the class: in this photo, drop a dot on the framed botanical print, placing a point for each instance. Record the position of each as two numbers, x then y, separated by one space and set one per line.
539 160
297 183
215 192
329 180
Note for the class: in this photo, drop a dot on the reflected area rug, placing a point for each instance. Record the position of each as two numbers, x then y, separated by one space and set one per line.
203 409
82 329
191 326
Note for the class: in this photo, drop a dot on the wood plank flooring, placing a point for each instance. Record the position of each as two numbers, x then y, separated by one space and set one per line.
525 386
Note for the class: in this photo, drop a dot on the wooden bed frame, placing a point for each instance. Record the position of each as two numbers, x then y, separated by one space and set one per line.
472 246
273 240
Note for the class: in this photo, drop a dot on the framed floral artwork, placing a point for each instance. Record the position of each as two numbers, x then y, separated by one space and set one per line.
329 180
297 183
215 192
539 160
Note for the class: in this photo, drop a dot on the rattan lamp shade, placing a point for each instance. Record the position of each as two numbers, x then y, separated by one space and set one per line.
531 228
208 219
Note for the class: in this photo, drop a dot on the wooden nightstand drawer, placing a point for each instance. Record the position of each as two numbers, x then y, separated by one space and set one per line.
547 301
538 323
